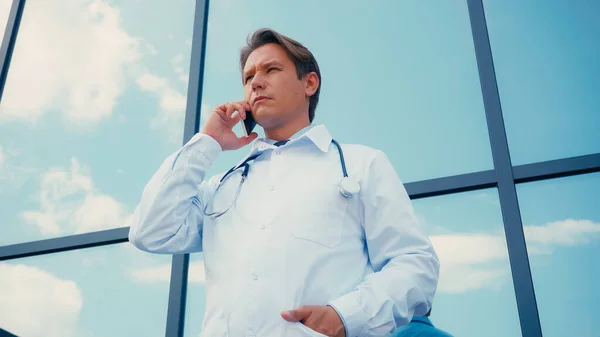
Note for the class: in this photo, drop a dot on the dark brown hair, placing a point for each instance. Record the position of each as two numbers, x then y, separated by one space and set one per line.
303 59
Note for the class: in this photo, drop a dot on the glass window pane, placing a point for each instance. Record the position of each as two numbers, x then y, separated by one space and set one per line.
546 58
106 291
196 297
385 83
4 13
475 294
94 101
561 221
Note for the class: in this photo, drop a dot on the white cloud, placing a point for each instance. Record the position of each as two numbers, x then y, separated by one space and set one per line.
461 278
69 203
464 261
172 104
472 261
98 212
469 248
72 58
35 303
152 83
197 272
162 273
567 232
171 100
47 222
82 60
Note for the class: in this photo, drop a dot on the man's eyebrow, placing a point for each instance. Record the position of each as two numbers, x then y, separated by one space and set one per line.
273 63
265 65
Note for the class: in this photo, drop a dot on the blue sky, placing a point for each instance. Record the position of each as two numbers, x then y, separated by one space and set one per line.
95 100
547 68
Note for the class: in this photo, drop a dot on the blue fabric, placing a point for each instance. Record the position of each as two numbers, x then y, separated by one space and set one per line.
420 326
281 142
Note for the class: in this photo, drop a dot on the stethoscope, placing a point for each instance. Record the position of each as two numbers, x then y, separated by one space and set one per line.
348 186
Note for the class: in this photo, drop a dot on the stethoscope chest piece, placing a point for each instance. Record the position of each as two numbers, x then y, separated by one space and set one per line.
349 187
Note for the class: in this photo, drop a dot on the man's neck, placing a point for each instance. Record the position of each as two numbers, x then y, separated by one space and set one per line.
287 131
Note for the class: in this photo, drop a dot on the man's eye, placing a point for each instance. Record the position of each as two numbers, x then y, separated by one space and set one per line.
248 78
272 68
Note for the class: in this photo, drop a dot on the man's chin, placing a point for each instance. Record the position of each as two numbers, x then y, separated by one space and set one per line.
264 117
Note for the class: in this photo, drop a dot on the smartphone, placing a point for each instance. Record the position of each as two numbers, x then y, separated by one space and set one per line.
249 123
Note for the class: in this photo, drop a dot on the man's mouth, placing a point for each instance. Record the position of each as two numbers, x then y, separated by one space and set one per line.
260 98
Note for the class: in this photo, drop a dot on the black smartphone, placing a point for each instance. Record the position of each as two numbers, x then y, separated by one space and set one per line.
249 123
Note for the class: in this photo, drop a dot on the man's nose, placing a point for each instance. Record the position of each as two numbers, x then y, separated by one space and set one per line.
258 82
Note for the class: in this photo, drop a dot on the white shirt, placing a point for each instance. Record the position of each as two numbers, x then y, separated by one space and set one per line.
291 238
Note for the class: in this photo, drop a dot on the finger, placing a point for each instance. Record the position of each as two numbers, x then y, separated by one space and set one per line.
230 110
245 140
225 111
311 324
250 138
221 111
296 315
233 120
240 109
289 316
246 105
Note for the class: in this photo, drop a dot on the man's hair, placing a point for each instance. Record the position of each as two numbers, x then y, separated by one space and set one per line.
303 59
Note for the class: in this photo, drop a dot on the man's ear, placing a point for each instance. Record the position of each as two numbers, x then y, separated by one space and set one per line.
311 83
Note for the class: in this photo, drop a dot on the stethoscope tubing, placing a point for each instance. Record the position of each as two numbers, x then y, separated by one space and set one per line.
246 166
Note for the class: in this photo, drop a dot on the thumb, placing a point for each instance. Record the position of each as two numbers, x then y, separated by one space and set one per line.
296 315
247 140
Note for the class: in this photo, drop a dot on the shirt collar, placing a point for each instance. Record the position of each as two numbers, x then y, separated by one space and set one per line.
296 135
316 134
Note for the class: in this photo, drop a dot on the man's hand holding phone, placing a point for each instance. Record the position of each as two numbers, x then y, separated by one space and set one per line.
219 125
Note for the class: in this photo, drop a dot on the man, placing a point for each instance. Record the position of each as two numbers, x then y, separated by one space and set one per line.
286 254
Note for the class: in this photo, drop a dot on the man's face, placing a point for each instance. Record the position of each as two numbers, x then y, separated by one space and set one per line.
272 87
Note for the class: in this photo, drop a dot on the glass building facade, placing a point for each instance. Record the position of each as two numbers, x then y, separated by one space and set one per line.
489 111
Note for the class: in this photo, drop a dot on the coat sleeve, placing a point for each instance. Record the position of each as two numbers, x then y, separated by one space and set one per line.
406 267
169 217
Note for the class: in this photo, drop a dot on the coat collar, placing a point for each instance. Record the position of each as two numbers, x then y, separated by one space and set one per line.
317 135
